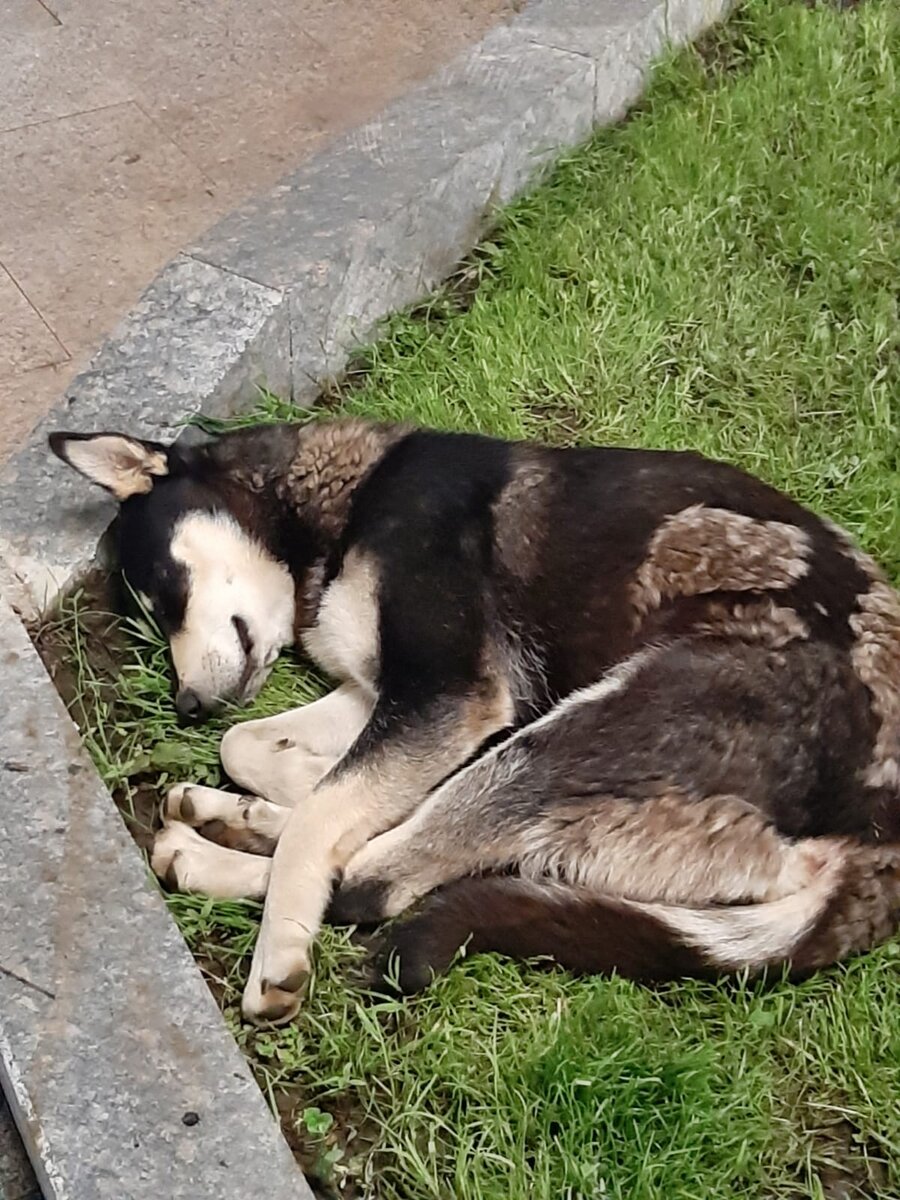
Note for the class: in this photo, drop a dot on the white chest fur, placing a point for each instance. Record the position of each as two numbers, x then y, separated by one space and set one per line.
344 638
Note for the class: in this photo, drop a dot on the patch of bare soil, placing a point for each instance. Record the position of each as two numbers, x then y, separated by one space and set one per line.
104 641
852 1168
102 633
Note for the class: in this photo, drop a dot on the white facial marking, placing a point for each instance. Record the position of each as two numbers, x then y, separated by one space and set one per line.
231 578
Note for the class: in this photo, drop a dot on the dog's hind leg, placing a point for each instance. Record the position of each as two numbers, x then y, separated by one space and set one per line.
653 788
671 847
283 758
609 791
187 862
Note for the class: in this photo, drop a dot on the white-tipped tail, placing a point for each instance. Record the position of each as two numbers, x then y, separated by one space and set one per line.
754 935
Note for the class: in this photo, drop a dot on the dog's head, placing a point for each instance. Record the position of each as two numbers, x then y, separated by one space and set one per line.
189 552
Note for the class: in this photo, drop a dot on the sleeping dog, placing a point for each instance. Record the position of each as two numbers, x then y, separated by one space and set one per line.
633 710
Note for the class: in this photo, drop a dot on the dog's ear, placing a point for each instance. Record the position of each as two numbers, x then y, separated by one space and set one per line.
123 465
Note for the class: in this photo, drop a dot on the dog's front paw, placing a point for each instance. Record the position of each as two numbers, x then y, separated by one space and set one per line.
275 1000
237 822
187 862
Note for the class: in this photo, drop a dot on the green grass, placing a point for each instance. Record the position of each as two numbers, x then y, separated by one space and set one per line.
720 272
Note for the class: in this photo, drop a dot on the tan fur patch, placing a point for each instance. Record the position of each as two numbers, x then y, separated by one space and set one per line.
343 638
876 659
331 461
670 849
761 621
520 514
702 550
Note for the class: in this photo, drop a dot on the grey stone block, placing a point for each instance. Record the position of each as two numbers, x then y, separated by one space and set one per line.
591 27
448 156
108 1034
622 37
373 223
198 340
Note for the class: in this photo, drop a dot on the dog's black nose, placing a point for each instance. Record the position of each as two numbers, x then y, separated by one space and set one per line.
189 705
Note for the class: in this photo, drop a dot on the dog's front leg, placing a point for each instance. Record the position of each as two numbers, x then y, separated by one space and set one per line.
399 757
283 758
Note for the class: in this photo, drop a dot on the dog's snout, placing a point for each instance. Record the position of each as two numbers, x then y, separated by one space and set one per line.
189 705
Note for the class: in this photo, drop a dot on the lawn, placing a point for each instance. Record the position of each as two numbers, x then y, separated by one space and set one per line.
719 272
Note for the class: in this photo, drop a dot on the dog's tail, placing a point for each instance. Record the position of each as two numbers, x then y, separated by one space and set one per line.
851 904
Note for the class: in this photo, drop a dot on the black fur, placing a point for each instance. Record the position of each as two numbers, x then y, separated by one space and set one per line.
588 935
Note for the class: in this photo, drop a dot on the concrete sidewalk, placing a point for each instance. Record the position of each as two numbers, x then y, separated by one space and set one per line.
127 128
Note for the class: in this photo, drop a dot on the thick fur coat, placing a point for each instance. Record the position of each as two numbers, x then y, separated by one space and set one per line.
632 710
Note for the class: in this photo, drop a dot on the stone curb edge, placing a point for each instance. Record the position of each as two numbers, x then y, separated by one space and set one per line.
279 293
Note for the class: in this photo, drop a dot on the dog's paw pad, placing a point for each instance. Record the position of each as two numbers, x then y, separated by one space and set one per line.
178 804
276 1003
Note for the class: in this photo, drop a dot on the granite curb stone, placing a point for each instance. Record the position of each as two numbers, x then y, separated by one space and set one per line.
103 1050
93 1037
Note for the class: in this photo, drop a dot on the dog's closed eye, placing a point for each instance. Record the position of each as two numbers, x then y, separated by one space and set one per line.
243 633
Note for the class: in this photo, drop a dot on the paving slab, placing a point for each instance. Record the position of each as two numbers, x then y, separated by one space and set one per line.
53 73
26 342
136 195
234 142
25 16
27 392
123 1079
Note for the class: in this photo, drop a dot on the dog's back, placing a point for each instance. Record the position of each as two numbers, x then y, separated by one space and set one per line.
770 705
